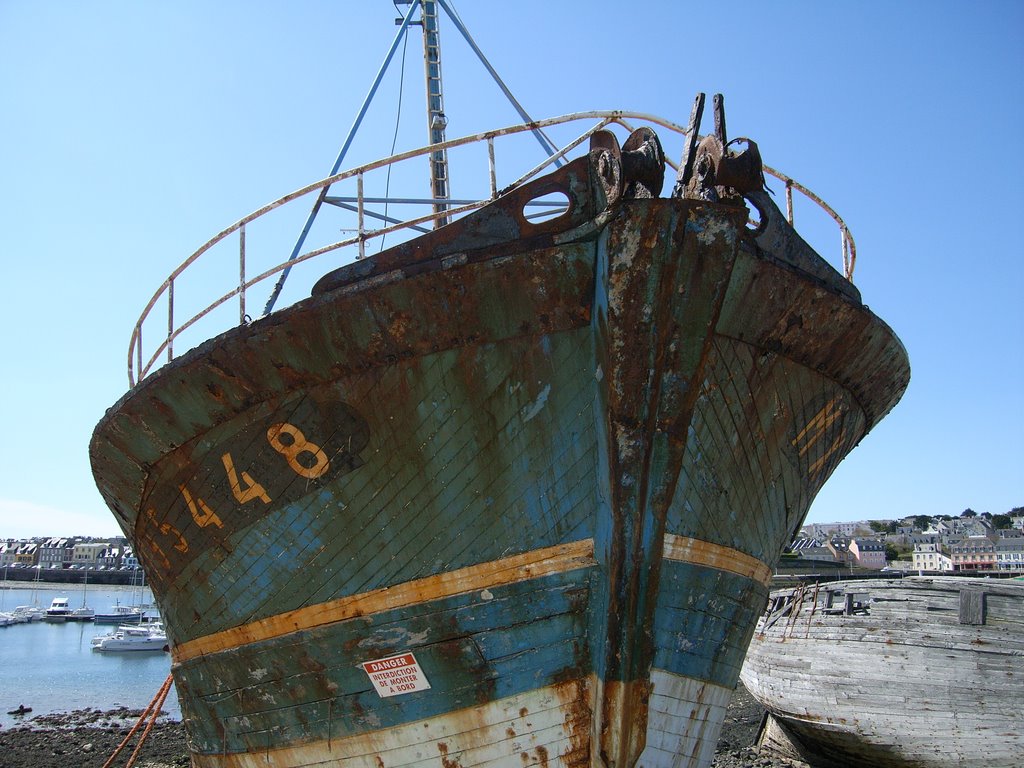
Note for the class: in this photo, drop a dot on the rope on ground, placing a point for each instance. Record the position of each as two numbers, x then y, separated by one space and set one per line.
161 697
153 707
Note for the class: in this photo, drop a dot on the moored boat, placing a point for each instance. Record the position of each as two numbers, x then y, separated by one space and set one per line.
82 613
24 614
121 614
59 610
132 638
922 672
510 490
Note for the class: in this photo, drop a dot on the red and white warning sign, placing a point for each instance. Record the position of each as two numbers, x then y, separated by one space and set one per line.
396 675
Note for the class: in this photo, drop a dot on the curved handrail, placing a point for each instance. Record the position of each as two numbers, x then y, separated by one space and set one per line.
848 245
138 367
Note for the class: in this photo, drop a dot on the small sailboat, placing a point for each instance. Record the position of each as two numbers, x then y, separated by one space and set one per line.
84 612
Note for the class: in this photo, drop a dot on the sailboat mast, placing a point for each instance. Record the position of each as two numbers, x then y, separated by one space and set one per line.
436 120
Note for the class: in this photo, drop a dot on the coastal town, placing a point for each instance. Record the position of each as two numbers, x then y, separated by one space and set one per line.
25 559
970 542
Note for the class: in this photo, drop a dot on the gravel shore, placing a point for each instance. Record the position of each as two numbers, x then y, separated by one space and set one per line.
86 739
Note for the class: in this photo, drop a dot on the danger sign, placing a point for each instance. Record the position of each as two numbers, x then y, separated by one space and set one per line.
396 675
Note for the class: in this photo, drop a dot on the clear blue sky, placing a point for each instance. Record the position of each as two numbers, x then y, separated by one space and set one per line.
131 132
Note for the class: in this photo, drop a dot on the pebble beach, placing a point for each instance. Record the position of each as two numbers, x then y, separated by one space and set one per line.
87 738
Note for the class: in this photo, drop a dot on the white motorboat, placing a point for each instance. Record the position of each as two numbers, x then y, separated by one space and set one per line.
59 610
144 637
24 614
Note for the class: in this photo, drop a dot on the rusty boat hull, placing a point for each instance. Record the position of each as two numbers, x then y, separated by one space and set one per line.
508 494
921 671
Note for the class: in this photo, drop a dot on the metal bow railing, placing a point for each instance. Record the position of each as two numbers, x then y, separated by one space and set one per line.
363 207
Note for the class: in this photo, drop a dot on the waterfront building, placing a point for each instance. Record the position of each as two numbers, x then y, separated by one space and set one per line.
931 536
87 554
111 556
1010 550
55 552
809 549
867 553
129 560
27 553
823 531
976 553
839 547
928 556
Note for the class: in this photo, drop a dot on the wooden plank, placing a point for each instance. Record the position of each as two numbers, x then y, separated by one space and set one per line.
687 549
530 565
972 607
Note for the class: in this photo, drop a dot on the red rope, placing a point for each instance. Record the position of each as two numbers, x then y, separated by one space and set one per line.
153 707
162 696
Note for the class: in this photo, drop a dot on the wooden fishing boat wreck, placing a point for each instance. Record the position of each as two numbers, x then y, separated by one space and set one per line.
509 491
922 671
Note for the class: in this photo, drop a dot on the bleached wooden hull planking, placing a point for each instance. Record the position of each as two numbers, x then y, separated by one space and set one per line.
923 671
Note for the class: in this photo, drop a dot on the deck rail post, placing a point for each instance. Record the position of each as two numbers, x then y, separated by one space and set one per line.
241 275
170 320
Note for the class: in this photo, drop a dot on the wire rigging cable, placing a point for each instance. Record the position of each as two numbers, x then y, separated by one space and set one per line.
398 120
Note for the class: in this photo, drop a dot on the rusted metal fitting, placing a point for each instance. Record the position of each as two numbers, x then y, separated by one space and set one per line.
643 164
723 176
709 170
606 158
743 170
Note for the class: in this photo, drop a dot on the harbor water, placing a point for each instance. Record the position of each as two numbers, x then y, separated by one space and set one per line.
51 667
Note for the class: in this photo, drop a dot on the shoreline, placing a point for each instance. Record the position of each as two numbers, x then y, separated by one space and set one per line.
31 578
87 738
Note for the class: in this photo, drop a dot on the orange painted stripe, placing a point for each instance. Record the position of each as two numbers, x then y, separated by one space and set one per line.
689 550
509 570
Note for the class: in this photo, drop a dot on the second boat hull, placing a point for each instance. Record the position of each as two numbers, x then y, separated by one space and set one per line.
893 674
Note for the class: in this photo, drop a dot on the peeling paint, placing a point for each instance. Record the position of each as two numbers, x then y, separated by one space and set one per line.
532 410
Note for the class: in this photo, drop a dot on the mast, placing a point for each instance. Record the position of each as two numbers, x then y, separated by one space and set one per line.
436 120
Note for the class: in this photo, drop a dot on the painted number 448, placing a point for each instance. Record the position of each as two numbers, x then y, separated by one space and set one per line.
305 458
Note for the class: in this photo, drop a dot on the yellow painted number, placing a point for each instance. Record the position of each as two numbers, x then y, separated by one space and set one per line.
201 513
167 530
295 446
252 489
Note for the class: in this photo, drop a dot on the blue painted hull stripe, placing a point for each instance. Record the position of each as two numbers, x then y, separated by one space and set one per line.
529 565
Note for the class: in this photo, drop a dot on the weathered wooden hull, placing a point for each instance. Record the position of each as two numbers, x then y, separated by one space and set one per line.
907 678
556 471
